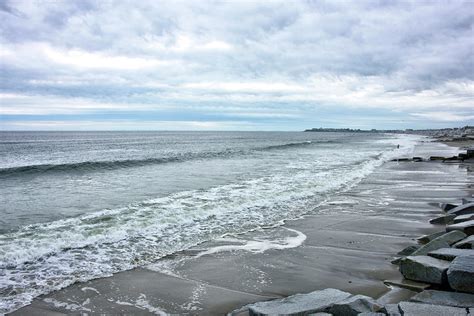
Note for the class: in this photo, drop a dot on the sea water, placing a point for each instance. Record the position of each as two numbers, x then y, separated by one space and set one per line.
82 205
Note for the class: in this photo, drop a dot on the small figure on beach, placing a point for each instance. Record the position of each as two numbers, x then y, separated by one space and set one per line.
398 146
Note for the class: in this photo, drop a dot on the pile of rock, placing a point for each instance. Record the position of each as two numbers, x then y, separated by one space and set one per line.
446 258
338 303
468 155
327 301
440 268
415 159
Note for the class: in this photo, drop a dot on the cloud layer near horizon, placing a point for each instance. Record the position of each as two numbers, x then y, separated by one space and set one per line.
239 65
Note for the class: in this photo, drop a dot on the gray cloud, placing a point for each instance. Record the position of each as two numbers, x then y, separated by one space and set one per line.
297 55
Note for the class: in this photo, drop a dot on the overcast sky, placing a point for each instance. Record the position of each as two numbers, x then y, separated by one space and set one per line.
235 65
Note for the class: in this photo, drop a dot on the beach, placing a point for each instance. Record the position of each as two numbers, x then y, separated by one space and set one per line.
346 243
239 158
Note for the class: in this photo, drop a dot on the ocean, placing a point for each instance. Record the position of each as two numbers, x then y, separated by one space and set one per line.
82 205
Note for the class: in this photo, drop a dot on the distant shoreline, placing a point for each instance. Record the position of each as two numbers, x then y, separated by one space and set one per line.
458 137
465 131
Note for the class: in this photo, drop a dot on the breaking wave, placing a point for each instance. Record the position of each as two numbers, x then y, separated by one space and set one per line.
129 163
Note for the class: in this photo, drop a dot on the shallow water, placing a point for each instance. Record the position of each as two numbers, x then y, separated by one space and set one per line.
78 206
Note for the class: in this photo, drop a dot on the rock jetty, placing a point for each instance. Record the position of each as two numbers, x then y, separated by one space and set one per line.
468 156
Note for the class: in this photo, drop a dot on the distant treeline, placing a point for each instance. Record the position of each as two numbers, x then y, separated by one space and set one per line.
469 130
345 130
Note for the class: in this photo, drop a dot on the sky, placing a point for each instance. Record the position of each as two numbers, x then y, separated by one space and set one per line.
235 65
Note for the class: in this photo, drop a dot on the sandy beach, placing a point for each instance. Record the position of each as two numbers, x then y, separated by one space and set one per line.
346 243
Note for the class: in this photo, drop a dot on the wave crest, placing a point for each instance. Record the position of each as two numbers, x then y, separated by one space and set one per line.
89 166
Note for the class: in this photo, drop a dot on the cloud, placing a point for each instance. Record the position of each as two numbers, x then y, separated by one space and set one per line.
274 60
183 43
82 59
46 55
246 87
444 116
127 125
19 104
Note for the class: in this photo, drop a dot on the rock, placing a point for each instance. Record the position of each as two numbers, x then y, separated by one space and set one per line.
447 206
427 238
467 243
417 159
408 284
443 241
445 298
401 159
451 237
432 245
461 274
392 310
424 269
408 250
452 158
299 304
443 220
354 305
449 254
463 218
466 227
467 200
396 261
405 252
437 158
420 309
470 152
462 209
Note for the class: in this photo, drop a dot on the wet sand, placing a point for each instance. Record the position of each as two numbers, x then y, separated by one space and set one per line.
350 241
468 143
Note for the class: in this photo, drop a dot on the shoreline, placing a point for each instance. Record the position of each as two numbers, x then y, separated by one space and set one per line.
222 281
437 271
